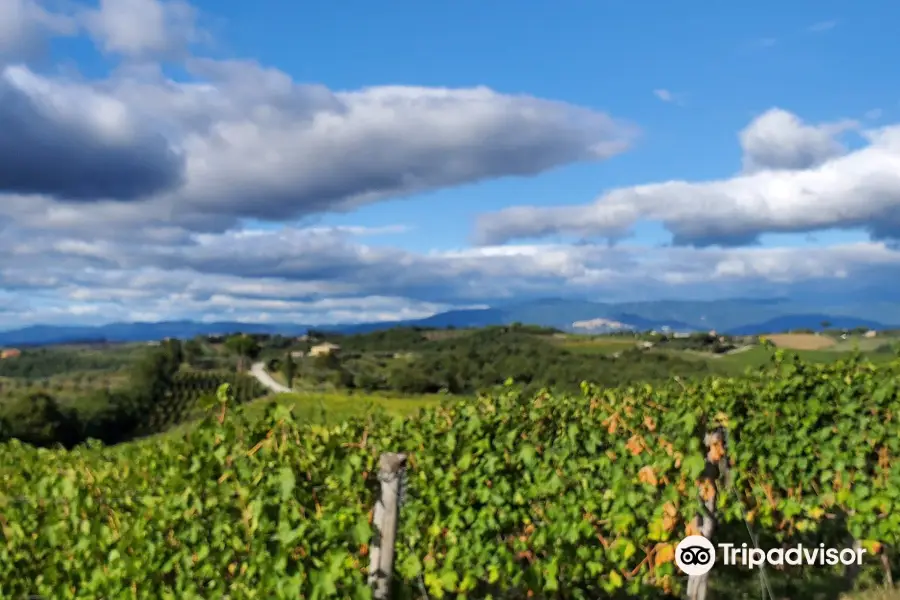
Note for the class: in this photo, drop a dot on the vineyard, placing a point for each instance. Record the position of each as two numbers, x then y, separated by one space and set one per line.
508 496
189 388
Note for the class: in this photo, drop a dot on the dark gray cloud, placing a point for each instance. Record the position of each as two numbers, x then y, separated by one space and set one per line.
299 149
72 144
246 141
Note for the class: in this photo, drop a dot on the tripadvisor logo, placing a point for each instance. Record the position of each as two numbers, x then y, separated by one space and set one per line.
696 555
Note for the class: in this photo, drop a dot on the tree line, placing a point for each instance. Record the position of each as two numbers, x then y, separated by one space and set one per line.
410 361
109 415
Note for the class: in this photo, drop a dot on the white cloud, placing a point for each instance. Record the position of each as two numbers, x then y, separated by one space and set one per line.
24 26
813 188
319 275
250 142
664 95
874 114
822 26
143 28
778 139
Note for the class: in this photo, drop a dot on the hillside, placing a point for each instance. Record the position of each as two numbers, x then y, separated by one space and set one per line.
736 316
490 508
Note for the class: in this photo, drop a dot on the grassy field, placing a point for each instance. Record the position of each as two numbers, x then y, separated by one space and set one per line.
801 341
67 388
875 595
862 344
337 407
330 408
758 356
604 346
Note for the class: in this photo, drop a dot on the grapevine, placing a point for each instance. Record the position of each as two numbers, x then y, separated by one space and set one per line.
511 495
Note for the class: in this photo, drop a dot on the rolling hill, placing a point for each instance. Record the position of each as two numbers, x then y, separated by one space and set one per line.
736 316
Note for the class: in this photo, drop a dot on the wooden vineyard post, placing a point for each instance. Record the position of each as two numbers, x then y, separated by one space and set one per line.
387 511
705 522
851 571
886 567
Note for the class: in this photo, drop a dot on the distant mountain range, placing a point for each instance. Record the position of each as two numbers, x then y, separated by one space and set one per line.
734 316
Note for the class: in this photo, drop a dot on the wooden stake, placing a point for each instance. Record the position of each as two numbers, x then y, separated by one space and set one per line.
886 566
381 567
698 585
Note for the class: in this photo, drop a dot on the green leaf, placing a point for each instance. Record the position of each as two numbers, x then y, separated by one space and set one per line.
286 481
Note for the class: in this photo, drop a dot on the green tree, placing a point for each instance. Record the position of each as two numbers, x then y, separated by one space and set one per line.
288 369
43 422
154 376
193 351
244 347
174 353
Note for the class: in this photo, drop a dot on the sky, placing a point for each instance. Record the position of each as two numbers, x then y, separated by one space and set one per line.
355 161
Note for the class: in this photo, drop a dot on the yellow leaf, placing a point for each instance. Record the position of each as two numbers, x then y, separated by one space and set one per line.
616 579
665 553
648 476
872 546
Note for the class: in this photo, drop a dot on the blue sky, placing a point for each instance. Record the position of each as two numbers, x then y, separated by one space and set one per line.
724 63
403 158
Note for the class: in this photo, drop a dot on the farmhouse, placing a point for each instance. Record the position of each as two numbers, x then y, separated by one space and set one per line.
323 349
9 353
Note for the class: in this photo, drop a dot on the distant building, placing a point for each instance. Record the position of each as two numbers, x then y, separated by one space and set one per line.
870 333
323 349
9 353
298 354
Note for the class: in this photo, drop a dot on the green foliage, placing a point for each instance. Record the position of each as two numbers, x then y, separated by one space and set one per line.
41 363
412 361
193 350
699 342
158 396
188 393
244 346
288 369
567 496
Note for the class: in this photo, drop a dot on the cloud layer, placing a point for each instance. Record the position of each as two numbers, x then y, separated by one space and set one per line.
127 198
245 141
328 274
72 142
124 197
799 178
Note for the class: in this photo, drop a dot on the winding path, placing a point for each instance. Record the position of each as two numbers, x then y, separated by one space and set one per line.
258 370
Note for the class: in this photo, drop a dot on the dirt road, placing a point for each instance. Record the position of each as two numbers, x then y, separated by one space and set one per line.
258 370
